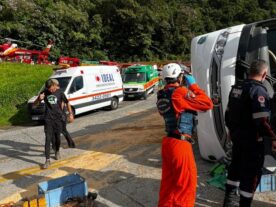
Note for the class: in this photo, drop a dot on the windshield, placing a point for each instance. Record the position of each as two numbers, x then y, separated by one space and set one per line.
134 77
63 83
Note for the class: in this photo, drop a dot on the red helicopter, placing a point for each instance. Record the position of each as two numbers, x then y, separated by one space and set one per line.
9 51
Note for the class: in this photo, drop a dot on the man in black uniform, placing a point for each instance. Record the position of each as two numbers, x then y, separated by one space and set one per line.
247 119
54 99
66 107
64 131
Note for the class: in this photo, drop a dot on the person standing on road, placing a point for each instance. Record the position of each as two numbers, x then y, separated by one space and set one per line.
66 107
53 98
247 117
64 130
178 104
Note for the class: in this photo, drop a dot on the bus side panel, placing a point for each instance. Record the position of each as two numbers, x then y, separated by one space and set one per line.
228 67
201 57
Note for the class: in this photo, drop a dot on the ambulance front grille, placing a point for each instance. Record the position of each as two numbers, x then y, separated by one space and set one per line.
131 89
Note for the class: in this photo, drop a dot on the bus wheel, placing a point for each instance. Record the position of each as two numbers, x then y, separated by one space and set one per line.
114 103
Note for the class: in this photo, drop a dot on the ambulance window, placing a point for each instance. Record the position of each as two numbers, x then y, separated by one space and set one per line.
77 84
134 77
63 82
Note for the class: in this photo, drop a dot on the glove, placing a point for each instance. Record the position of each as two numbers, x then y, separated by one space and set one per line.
190 80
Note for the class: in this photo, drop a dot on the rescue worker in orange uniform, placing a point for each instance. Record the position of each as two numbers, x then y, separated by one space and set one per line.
178 105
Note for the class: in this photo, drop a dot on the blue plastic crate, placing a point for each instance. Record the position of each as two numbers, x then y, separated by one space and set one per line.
267 183
58 191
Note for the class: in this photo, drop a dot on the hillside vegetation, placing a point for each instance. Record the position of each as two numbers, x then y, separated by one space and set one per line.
124 30
18 83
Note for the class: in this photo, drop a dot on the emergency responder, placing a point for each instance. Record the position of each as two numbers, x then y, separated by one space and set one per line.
66 107
53 98
177 104
247 117
64 131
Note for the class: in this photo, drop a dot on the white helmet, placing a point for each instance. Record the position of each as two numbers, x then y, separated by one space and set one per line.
171 70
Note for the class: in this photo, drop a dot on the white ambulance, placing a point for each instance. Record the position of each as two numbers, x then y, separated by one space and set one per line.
218 60
87 88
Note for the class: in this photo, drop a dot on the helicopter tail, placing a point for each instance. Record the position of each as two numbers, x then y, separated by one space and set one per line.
50 44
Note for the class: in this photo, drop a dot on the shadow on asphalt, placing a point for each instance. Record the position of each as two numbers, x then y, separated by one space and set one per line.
19 150
118 188
23 118
211 196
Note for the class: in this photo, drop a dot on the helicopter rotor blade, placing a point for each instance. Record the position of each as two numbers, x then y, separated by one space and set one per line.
10 39
29 43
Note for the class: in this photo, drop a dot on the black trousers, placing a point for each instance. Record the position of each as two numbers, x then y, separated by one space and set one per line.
66 134
245 170
52 129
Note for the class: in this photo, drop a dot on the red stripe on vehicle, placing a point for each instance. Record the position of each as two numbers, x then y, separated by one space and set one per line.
151 83
95 94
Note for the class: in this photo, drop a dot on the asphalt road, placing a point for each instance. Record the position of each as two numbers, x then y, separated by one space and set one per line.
118 152
23 147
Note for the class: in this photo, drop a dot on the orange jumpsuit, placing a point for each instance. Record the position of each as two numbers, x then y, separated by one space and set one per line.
179 173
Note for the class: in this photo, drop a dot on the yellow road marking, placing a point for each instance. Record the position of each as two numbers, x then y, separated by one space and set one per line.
33 170
54 165
86 161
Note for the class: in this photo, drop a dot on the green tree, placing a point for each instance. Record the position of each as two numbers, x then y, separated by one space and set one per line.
124 30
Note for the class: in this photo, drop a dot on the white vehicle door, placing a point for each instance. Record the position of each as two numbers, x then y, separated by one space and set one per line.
77 93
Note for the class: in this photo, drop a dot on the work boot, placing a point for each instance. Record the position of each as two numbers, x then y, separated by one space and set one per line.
231 198
72 145
47 164
57 155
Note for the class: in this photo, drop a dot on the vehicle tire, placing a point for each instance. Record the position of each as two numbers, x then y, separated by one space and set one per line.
145 95
153 90
114 103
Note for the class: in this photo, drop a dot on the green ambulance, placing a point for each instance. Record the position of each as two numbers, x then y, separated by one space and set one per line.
139 81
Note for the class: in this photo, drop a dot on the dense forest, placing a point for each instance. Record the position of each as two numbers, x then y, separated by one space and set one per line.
124 30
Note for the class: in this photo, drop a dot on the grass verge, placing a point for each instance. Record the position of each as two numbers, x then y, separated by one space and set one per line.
18 83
